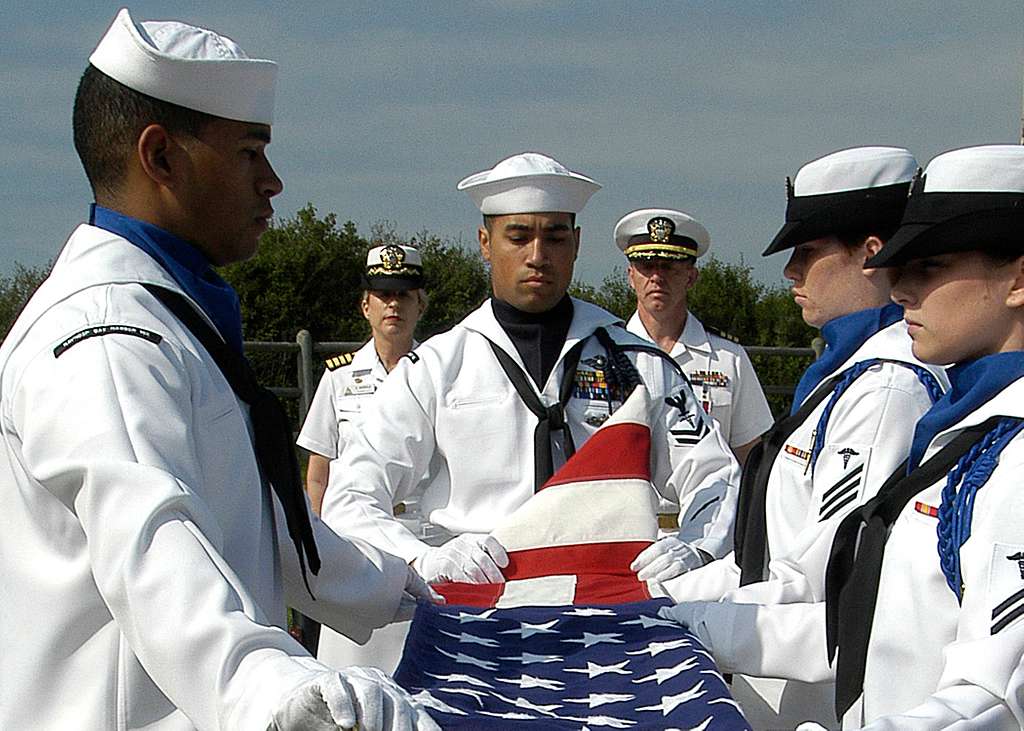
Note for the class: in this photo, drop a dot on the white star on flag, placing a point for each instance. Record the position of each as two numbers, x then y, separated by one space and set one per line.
656 648
474 694
426 699
589 612
590 639
663 674
529 630
510 715
529 705
601 699
669 702
529 659
465 638
647 622
608 721
461 678
529 681
469 660
593 670
484 616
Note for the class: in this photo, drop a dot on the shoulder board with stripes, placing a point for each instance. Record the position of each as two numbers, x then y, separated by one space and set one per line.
338 361
721 333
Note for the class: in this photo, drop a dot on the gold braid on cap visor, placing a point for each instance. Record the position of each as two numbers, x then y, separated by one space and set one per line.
660 251
380 270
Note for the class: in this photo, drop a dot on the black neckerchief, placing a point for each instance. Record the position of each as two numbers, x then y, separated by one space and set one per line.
272 431
537 336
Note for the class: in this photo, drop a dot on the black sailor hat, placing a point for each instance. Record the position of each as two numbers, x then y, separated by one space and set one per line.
967 199
859 189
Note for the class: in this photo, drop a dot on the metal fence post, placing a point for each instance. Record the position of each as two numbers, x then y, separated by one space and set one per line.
819 346
305 371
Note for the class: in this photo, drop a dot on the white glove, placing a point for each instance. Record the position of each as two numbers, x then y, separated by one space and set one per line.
810 726
474 558
356 697
684 613
691 616
416 589
666 559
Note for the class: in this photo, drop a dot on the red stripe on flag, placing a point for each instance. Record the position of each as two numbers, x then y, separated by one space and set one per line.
583 558
602 574
470 595
616 451
605 589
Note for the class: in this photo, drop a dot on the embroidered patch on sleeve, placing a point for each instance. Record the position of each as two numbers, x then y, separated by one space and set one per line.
1006 585
99 330
841 494
691 426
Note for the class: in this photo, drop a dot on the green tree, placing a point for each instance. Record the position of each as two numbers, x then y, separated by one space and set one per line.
15 291
306 275
614 294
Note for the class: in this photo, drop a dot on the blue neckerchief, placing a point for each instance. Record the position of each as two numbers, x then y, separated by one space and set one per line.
186 264
843 336
971 384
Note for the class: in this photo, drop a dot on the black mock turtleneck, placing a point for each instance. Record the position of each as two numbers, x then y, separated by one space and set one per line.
538 336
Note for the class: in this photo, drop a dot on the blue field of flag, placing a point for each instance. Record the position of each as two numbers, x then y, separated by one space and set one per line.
563 667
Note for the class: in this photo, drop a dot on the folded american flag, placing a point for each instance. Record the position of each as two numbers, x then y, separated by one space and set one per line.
572 639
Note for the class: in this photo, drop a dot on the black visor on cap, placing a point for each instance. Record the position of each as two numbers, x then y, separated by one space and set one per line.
392 282
810 217
943 223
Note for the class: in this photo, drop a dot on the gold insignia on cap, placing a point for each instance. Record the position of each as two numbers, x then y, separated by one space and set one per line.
660 229
392 258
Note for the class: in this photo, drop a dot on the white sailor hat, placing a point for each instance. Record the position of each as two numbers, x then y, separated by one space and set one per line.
860 189
661 233
188 66
967 199
391 268
528 183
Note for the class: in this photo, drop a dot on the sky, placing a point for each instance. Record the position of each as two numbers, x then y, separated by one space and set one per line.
382 107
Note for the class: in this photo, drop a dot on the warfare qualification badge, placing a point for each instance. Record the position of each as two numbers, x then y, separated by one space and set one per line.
661 229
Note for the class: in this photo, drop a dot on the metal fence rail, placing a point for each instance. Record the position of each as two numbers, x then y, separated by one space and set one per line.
306 351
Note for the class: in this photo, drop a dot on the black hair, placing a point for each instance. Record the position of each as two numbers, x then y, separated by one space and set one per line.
107 120
489 219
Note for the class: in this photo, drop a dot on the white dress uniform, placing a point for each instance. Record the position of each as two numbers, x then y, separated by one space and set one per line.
932 663
335 412
722 376
966 658
450 411
146 567
347 383
867 436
